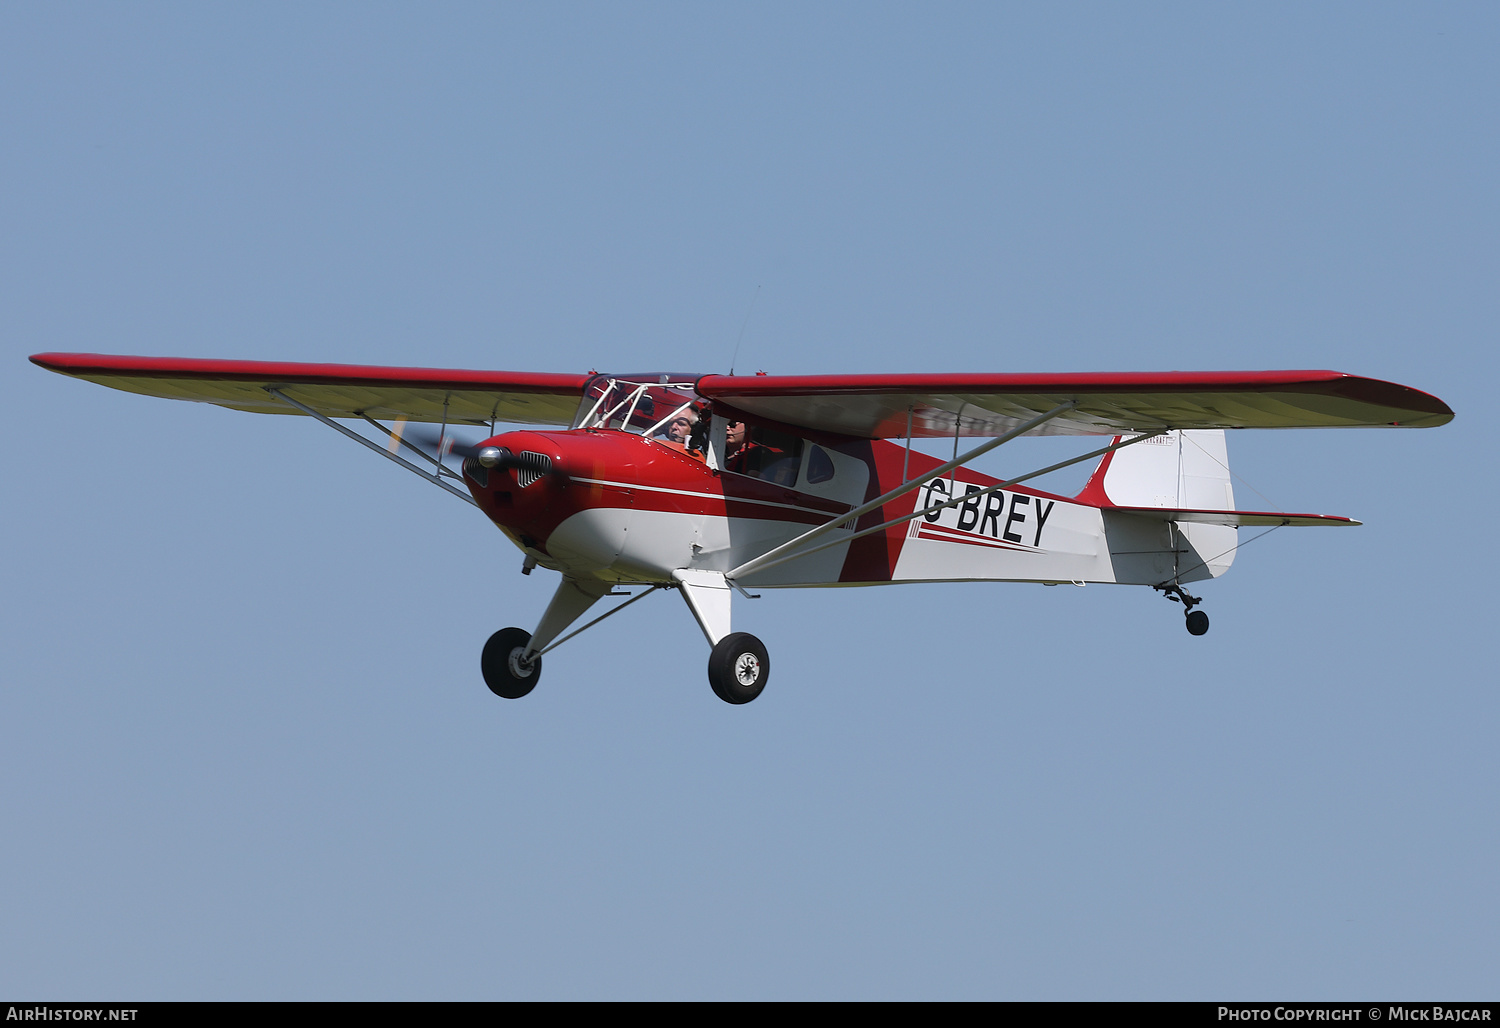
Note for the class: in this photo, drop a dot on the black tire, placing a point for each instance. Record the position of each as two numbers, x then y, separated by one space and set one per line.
500 663
1197 622
738 668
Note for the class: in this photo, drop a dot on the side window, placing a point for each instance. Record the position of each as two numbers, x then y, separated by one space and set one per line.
761 453
819 466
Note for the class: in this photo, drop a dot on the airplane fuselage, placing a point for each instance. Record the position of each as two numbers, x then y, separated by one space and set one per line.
617 506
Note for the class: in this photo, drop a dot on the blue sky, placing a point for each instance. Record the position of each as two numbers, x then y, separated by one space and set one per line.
249 755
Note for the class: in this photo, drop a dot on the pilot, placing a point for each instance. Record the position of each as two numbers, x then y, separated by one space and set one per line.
682 432
679 429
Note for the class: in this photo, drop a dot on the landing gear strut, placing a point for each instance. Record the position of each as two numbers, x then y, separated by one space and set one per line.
738 667
1197 621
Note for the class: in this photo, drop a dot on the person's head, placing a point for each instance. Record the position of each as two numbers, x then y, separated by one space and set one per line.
680 427
734 435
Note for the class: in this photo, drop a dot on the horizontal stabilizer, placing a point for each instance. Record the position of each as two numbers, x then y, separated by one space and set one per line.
1234 518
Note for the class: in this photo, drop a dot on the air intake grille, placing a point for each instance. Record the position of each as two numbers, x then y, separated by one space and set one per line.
531 466
477 471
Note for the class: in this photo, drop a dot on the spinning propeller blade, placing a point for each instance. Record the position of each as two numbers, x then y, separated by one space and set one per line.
440 445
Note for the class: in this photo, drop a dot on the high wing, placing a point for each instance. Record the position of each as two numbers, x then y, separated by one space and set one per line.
867 406
882 406
337 390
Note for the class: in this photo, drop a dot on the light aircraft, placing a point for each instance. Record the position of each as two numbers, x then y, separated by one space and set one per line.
714 485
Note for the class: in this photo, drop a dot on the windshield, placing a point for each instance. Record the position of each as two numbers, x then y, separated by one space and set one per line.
659 406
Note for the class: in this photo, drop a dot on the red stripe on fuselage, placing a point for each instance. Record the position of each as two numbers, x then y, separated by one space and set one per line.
942 533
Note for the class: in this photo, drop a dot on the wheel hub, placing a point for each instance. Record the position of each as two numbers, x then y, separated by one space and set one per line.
518 667
747 668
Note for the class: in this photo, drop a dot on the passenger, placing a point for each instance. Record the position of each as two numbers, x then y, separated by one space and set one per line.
749 456
736 449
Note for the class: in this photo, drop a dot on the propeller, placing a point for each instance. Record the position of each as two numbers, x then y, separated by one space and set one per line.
529 466
441 444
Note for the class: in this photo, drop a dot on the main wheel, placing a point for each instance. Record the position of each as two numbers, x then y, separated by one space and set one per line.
738 668
1197 622
503 669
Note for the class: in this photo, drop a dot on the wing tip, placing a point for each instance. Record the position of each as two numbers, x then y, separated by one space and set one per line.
50 361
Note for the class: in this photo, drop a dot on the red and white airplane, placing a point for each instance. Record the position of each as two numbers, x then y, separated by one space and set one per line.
716 484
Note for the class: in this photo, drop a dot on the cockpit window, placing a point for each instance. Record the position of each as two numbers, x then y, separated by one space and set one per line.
660 407
646 404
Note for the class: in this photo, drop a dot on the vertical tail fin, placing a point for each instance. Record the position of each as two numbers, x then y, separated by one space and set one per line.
1182 471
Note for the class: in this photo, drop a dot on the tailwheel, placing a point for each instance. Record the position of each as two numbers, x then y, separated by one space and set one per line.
738 668
1197 621
504 671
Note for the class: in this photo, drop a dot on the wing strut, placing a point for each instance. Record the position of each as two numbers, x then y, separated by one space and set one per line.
766 558
408 465
397 440
954 502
